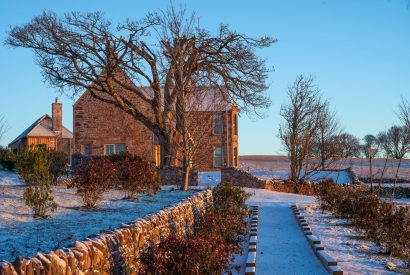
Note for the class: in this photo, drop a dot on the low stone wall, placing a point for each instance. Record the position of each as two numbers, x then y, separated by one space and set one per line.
245 179
241 178
115 252
173 176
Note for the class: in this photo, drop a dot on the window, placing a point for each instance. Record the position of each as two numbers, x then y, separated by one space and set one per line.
112 149
235 157
235 124
87 149
218 156
218 124
157 154
119 148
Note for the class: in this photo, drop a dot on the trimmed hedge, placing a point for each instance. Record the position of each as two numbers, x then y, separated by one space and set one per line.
211 245
385 223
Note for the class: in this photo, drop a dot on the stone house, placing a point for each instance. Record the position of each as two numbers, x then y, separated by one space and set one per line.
47 132
103 129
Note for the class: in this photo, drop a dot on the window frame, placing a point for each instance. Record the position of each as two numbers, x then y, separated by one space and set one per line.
214 117
221 157
85 150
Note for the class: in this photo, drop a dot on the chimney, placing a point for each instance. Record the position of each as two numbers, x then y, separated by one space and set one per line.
57 109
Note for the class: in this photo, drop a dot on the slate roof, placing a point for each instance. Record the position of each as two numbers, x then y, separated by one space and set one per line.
42 127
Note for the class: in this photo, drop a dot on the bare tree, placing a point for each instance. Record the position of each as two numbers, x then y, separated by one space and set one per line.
325 143
349 145
82 52
396 144
404 112
3 126
197 125
300 125
370 141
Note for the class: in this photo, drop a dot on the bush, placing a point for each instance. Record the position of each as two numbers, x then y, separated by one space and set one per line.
93 178
213 242
136 175
7 159
58 164
33 166
382 222
194 254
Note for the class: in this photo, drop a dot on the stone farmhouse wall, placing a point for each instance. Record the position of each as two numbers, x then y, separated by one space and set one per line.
173 176
115 252
97 123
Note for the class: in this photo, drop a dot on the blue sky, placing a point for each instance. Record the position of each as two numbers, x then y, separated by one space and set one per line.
358 50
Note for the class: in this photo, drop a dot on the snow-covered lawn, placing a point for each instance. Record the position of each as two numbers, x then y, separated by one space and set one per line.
9 178
210 179
343 242
21 234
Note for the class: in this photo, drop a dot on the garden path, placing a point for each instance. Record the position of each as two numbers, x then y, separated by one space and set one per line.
281 246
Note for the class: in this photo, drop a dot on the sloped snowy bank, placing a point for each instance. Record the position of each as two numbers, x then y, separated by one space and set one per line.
21 234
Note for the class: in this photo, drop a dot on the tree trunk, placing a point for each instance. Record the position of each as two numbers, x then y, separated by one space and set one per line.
167 151
381 176
395 178
185 177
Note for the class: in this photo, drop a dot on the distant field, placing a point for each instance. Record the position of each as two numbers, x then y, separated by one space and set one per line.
360 166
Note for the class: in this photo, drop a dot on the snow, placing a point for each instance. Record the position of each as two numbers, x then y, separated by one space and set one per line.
210 179
343 242
341 177
9 178
271 174
21 234
383 184
281 246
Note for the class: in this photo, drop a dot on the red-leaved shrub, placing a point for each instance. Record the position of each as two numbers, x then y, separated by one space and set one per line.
93 178
212 243
136 175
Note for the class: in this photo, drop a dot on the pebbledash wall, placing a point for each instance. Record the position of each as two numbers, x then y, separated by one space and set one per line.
115 252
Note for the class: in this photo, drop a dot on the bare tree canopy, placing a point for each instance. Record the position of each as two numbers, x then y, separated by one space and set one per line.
300 125
370 146
404 112
3 126
85 52
325 143
395 142
349 145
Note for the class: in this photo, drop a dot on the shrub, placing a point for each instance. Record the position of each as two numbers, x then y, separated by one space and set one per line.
194 254
380 221
230 204
33 166
93 178
136 175
58 164
211 244
7 159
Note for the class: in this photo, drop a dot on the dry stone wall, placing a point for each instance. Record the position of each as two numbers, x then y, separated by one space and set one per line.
115 252
241 178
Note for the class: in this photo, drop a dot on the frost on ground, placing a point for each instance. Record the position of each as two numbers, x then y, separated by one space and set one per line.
344 243
21 234
9 178
210 179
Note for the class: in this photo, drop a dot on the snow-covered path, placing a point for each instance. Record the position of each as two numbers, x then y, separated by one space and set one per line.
282 247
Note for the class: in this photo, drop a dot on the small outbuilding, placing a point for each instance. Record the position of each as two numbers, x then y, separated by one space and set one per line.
47 132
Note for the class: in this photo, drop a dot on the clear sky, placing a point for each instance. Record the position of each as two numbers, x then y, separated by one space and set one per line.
358 50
